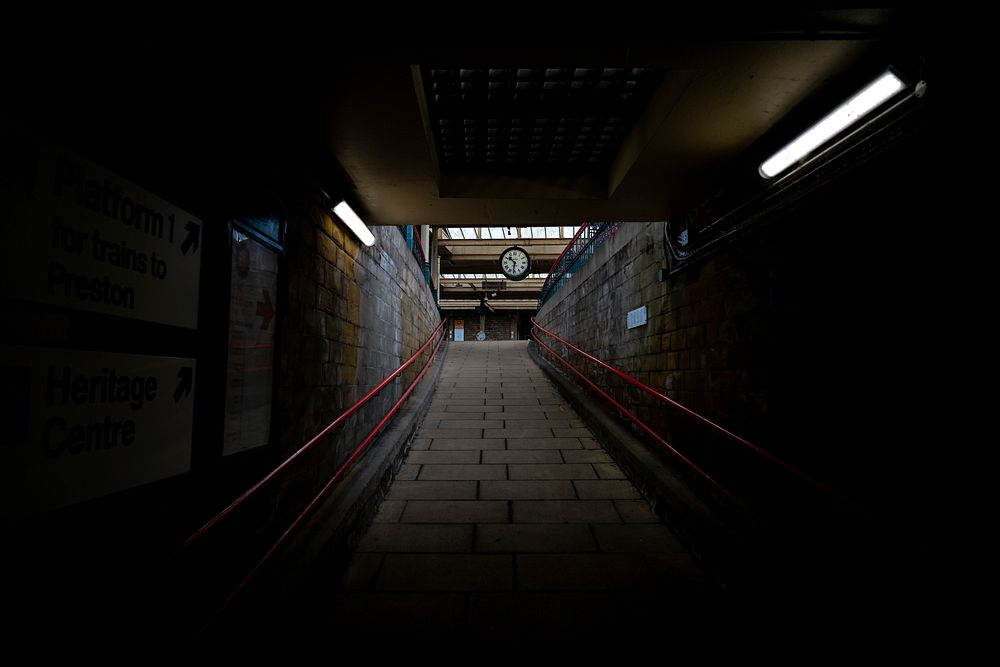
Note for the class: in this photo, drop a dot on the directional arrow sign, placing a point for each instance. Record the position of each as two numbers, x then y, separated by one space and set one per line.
266 310
186 377
193 237
92 423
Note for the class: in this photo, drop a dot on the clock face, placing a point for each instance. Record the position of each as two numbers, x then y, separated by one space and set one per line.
514 263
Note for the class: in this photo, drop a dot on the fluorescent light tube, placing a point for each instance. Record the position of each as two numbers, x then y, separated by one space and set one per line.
848 113
351 219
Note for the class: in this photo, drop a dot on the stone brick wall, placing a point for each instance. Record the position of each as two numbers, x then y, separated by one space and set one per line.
500 325
798 335
704 343
353 315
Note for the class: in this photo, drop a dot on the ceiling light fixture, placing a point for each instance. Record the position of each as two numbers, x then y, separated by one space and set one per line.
351 219
848 113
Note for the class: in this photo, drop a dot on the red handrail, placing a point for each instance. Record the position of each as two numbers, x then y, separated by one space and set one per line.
306 447
691 413
638 422
333 480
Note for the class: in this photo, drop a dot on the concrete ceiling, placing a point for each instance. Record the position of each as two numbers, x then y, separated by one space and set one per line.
222 123
717 101
215 123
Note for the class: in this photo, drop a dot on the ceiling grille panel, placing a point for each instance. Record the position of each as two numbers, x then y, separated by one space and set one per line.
537 119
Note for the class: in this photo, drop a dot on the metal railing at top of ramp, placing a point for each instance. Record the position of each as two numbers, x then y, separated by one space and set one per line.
732 437
439 334
576 253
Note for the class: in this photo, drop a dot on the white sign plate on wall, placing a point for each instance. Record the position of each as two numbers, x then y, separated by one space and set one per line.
80 425
80 236
636 318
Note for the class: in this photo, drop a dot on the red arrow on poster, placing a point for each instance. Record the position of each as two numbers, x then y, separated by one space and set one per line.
265 310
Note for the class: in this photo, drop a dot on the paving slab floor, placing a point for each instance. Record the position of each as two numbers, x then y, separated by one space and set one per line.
508 520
